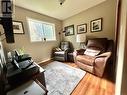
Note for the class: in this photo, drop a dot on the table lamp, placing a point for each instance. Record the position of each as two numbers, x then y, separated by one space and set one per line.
81 38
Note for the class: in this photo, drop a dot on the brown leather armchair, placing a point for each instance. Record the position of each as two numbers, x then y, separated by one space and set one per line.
95 57
60 54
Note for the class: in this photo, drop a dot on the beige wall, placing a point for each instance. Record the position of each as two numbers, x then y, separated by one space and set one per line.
40 51
105 10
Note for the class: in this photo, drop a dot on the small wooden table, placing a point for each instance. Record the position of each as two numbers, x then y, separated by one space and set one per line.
40 76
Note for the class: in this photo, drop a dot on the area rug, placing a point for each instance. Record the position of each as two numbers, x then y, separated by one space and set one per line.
61 79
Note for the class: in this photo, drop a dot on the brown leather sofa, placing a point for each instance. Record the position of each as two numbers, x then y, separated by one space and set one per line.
96 55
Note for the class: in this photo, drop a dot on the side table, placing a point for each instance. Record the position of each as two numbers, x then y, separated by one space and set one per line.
70 57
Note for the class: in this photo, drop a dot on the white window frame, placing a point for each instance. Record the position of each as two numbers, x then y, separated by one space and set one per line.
43 22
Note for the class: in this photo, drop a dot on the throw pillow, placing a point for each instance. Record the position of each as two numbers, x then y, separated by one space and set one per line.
92 52
58 49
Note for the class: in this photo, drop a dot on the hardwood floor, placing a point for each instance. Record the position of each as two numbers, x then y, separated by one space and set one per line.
93 85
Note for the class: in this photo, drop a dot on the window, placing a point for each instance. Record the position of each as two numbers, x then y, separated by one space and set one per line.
41 31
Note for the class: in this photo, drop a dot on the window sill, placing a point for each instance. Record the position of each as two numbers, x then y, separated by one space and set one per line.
50 41
43 41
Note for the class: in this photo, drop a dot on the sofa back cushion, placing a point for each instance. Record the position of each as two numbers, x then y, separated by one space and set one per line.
97 44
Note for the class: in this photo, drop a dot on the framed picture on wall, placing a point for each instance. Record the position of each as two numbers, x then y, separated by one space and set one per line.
82 28
18 27
96 25
69 30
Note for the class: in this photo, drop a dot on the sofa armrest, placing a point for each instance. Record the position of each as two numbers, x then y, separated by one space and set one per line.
106 54
100 63
79 52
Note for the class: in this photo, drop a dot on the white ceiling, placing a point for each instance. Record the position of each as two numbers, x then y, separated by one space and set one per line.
54 9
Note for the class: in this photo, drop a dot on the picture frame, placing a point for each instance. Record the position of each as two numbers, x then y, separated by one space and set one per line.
69 30
96 25
18 27
82 28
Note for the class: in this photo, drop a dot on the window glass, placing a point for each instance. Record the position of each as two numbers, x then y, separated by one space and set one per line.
40 30
49 32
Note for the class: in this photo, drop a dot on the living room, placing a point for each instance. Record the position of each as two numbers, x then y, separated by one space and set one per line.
49 27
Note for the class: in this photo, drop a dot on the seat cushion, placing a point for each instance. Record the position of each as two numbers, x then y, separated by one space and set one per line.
89 60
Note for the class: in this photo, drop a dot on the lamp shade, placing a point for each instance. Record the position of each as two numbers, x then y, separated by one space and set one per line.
81 38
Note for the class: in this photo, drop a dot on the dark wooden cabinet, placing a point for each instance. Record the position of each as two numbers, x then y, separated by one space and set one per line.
22 78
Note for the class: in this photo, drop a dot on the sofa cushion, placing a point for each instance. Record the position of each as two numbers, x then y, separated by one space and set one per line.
98 44
89 60
92 52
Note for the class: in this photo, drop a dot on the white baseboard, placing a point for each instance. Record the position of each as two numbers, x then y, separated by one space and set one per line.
45 60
